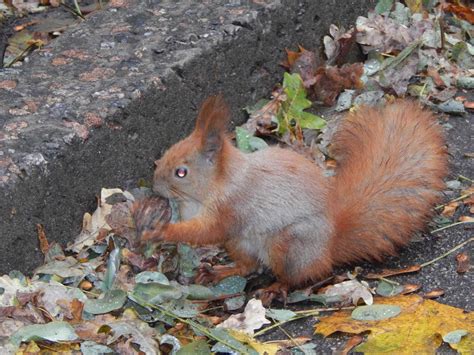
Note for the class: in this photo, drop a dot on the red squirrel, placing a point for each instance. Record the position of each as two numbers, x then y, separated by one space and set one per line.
275 208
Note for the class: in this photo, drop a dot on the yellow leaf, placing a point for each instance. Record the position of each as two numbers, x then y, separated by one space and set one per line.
414 5
417 329
261 348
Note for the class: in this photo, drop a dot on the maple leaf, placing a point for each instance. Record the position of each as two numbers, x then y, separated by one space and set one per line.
292 117
420 327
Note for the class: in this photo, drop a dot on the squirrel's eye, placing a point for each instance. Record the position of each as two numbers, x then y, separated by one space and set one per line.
181 172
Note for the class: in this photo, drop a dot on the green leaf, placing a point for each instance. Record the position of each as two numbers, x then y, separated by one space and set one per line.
196 347
155 293
199 292
455 336
394 61
92 348
375 312
465 82
151 276
188 260
387 289
299 296
280 314
248 143
310 121
230 285
257 106
53 331
383 6
291 113
182 308
113 264
234 303
111 301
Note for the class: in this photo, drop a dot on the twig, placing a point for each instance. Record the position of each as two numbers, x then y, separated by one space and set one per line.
191 323
19 56
291 338
301 314
315 311
73 11
78 9
449 226
389 281
462 177
454 200
278 324
219 298
447 253
422 91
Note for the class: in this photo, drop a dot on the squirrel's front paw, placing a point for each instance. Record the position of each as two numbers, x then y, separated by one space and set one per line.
150 214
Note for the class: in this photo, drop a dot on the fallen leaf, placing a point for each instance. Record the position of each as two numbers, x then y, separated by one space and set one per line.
195 347
375 312
251 319
351 292
338 45
248 143
54 331
466 219
410 288
351 343
110 301
463 263
43 241
305 64
331 81
437 292
461 11
414 5
393 272
416 327
387 289
263 115
280 314
261 348
449 209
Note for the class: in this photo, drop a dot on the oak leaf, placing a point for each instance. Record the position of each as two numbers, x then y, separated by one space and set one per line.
419 328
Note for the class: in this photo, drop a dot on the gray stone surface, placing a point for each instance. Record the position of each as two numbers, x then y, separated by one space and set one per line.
98 105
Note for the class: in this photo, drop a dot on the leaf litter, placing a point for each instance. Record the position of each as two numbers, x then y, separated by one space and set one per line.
107 292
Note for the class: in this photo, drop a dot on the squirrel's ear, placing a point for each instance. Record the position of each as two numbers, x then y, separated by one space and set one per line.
211 125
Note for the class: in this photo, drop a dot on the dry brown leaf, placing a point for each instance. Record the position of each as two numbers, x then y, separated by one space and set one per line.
331 81
437 292
469 104
466 219
43 241
434 74
390 272
463 263
410 288
461 11
449 209
351 343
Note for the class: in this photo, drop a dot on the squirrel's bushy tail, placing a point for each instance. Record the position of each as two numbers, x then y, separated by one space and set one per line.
391 165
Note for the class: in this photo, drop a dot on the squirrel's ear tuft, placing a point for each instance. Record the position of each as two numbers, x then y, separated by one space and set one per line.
211 125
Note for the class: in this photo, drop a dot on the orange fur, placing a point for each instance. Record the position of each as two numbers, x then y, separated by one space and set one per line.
391 165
